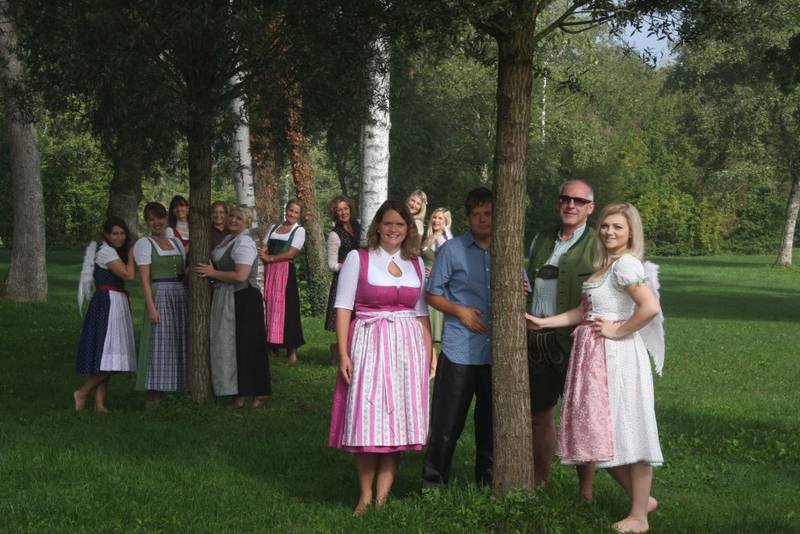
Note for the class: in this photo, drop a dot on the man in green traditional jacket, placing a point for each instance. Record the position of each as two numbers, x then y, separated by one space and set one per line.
559 262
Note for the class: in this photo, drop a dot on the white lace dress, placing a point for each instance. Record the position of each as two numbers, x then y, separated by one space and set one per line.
629 372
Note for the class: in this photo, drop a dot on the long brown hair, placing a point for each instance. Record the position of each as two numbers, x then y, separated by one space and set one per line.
408 249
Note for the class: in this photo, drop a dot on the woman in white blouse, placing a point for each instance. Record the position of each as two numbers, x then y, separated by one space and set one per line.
162 342
239 366
106 344
438 234
281 295
380 405
417 204
343 238
178 220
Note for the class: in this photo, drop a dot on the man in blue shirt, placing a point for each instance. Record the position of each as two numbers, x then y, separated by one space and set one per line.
460 287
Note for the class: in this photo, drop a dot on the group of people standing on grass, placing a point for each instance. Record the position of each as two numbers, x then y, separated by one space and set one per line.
593 318
244 323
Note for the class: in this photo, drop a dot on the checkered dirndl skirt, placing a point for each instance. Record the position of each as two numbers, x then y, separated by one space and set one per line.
163 368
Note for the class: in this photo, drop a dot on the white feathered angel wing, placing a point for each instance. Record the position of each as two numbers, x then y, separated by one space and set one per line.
653 332
86 282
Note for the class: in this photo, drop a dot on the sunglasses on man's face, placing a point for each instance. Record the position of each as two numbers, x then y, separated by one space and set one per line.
566 199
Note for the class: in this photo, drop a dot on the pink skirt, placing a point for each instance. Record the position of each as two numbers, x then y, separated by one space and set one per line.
586 432
385 407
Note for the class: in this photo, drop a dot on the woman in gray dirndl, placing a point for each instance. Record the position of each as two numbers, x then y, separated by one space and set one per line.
238 348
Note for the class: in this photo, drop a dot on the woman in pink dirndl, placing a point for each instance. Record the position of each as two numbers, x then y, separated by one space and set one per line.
380 405
608 412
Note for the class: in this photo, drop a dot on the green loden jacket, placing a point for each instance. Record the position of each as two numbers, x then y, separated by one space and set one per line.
575 266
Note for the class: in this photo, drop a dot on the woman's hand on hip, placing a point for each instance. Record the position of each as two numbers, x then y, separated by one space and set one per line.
604 327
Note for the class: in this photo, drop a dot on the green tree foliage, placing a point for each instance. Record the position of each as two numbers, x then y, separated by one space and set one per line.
75 176
740 69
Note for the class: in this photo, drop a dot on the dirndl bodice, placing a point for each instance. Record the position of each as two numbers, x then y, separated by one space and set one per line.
383 298
104 277
164 268
279 246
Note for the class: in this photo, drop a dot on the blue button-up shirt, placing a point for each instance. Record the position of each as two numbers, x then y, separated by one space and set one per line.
462 274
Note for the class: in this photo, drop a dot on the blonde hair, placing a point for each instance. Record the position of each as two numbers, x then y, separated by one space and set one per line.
431 234
247 215
635 231
423 199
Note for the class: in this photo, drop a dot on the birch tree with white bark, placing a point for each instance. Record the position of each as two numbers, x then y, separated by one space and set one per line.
375 138
245 193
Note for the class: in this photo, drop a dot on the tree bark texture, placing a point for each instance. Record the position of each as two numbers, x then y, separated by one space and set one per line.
27 274
375 140
266 182
199 147
245 194
303 176
790 224
125 190
513 448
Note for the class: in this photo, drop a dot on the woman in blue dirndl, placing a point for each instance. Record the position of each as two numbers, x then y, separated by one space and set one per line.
106 344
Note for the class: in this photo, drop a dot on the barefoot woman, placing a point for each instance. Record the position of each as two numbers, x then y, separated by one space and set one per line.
106 344
380 406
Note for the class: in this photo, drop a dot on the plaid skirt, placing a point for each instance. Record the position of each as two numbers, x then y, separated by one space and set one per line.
162 347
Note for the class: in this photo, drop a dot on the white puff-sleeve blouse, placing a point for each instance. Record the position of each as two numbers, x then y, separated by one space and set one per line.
244 249
105 255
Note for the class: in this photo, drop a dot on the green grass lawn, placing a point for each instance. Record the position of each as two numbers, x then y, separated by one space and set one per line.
728 408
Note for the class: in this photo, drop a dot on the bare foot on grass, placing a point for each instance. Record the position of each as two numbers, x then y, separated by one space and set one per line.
260 401
361 508
101 409
80 400
629 524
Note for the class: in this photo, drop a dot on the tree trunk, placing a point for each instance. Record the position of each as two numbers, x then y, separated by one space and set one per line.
265 172
513 447
303 176
375 140
199 147
245 194
27 274
789 227
125 190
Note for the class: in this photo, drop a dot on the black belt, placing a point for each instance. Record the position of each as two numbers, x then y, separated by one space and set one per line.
547 272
